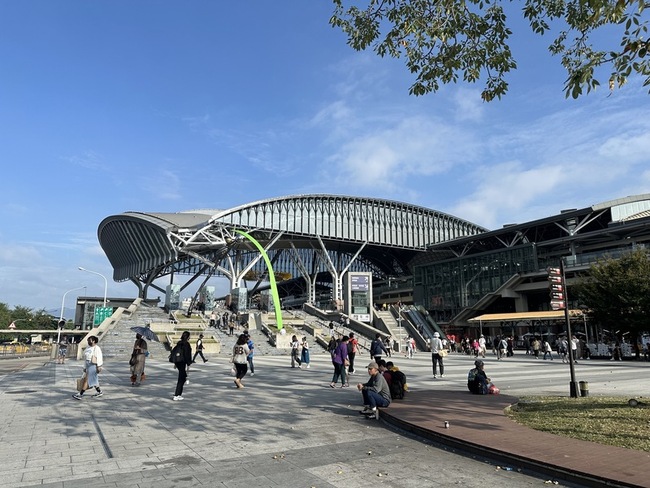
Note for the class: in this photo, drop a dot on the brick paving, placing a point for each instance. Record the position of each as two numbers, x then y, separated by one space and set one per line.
478 424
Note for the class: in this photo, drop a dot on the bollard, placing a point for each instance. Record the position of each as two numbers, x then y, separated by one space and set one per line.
584 388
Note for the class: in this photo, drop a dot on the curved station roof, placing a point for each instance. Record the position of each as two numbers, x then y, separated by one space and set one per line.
303 235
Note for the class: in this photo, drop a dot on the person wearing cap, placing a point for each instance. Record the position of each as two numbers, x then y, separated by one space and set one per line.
376 392
436 356
477 381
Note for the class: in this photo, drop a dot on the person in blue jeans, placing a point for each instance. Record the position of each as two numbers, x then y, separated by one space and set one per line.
251 348
376 392
304 355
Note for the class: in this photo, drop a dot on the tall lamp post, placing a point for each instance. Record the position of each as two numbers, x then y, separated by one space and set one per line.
60 326
105 281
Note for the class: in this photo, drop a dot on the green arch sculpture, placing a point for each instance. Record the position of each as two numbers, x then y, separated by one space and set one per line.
274 288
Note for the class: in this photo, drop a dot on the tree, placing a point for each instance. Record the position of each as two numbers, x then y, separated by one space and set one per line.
443 40
44 320
5 316
617 292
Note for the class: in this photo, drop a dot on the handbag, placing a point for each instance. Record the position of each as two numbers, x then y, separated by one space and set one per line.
133 360
443 353
82 383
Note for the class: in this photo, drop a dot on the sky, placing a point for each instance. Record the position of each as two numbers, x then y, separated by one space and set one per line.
166 106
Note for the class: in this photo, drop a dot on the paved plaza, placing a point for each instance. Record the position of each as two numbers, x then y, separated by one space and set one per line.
287 428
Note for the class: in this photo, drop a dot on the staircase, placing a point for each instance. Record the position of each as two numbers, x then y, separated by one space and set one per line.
117 343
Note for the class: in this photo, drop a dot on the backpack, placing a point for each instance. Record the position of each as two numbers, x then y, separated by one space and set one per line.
176 355
397 384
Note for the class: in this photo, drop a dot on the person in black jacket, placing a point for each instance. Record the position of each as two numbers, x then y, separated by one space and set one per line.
376 349
182 364
477 381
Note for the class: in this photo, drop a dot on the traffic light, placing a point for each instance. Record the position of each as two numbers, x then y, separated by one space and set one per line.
556 288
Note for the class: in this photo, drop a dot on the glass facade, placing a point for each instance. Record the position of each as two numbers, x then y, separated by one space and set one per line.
447 287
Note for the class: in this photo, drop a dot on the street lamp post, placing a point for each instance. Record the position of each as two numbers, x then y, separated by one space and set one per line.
58 339
105 281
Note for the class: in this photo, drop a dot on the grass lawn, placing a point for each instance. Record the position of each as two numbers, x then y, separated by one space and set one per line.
605 420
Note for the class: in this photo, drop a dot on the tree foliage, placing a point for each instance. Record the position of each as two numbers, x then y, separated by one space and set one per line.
444 40
26 318
617 292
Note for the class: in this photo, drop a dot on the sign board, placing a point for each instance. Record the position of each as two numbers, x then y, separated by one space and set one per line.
359 282
101 313
358 296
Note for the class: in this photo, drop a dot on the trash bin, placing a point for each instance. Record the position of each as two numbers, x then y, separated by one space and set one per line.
584 388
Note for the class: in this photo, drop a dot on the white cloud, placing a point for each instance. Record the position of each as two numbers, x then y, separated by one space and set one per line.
163 185
12 255
389 156
572 158
88 159
469 106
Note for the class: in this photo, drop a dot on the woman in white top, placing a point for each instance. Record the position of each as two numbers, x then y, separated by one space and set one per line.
94 360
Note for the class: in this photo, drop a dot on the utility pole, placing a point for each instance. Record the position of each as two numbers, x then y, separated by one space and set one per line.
559 301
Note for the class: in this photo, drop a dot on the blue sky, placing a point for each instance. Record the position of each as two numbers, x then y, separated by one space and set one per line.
113 106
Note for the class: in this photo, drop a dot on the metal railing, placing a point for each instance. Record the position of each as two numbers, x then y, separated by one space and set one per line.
24 350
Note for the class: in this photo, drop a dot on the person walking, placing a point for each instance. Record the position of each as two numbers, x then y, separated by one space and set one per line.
199 349
563 349
482 346
376 348
295 350
182 355
353 347
93 363
63 350
239 354
510 350
304 354
503 348
410 346
436 355
251 353
340 360
535 346
388 342
548 350
137 361
574 349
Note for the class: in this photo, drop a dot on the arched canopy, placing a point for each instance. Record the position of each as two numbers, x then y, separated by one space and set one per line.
144 246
